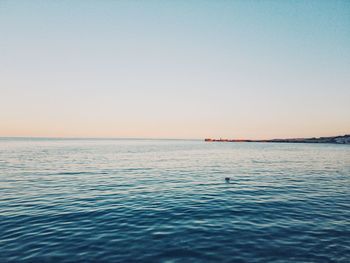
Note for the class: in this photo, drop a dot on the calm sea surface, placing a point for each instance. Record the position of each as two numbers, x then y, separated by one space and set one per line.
167 201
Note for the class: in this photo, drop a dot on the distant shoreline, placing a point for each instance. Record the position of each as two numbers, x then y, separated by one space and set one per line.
345 139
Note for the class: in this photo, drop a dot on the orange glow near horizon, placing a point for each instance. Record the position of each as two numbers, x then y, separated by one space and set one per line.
254 71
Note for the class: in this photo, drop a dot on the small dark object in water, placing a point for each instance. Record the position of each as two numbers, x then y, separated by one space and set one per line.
227 179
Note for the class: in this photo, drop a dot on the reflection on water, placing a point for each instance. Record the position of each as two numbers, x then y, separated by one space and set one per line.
168 200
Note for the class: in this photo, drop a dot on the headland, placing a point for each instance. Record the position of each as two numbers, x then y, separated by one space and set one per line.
345 139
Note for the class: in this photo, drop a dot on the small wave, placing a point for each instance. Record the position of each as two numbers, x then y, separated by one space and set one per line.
78 173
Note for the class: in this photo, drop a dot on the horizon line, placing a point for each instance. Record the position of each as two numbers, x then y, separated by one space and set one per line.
94 138
151 138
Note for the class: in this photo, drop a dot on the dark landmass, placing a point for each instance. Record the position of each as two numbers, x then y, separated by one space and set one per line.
345 139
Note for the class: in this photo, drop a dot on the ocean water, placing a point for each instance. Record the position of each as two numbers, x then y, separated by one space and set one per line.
167 201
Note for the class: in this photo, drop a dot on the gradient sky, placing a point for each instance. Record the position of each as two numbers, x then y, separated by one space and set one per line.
174 69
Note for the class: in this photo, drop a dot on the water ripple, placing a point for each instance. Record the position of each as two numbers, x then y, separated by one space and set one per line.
167 201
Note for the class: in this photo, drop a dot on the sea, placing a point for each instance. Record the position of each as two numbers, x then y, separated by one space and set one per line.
138 200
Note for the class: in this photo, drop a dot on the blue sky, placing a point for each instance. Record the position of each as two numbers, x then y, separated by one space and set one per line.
174 69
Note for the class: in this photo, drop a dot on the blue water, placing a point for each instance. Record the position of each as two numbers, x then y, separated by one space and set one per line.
167 201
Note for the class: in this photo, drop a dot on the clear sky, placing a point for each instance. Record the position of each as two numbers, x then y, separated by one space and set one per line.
174 69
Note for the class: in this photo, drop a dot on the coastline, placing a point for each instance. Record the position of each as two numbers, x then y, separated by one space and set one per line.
344 139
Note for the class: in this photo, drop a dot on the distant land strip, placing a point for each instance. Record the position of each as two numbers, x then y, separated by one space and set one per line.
345 139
